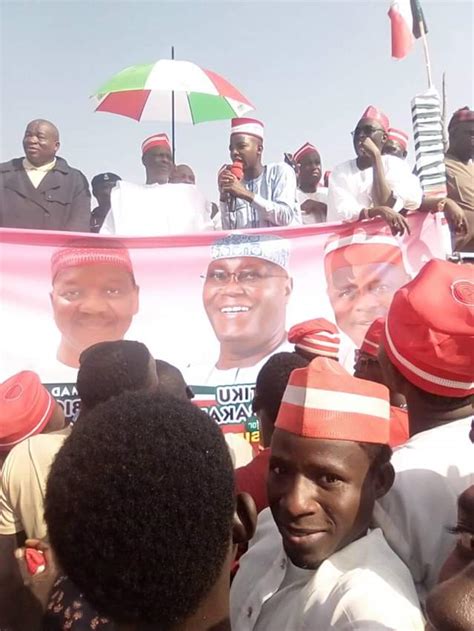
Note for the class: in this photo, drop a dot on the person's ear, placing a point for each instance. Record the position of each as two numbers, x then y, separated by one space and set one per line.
394 381
405 153
384 138
57 144
384 478
245 519
289 288
259 149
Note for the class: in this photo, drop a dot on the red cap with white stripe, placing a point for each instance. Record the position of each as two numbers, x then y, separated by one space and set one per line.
372 338
324 401
250 126
429 331
399 136
318 337
158 140
303 151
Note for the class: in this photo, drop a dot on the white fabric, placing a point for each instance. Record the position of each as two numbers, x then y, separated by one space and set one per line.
432 469
350 189
157 209
274 203
364 586
320 195
37 174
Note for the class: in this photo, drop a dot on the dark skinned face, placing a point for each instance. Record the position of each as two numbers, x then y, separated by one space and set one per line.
394 148
40 143
246 148
461 140
101 192
367 367
158 161
321 494
309 172
368 128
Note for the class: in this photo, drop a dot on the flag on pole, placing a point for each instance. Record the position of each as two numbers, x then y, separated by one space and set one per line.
405 17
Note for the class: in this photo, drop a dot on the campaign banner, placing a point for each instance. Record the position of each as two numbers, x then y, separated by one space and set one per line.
217 305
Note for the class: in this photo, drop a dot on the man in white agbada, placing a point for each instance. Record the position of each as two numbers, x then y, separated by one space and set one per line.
427 353
157 208
245 295
324 568
266 194
372 185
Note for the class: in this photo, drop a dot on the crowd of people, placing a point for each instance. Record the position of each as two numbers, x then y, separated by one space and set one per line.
357 512
41 191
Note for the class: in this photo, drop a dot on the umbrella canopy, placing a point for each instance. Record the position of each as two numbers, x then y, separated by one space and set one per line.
145 93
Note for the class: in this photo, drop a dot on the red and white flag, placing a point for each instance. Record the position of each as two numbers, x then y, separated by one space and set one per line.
405 17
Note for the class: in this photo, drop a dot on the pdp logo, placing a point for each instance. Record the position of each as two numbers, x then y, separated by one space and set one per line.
463 292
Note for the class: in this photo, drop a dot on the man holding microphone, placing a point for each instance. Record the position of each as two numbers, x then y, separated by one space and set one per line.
253 195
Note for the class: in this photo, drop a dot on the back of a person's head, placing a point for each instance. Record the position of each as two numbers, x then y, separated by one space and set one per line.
107 369
272 381
171 380
139 508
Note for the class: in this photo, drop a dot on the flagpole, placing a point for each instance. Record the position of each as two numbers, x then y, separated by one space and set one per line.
172 114
444 114
427 53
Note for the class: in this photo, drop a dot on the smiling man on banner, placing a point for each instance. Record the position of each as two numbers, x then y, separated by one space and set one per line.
94 297
245 295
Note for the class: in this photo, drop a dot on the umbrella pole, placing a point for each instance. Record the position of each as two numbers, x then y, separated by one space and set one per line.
172 115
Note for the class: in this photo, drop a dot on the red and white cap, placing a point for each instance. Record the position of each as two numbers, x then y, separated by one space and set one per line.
375 114
397 135
157 140
460 116
76 256
324 401
318 337
25 408
372 338
250 126
303 151
361 247
429 331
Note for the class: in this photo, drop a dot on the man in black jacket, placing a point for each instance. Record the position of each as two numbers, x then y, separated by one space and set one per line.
41 191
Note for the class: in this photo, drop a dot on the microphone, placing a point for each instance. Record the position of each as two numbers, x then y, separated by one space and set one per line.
237 170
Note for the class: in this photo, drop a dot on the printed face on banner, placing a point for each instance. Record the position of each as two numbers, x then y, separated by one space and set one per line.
245 300
361 293
91 304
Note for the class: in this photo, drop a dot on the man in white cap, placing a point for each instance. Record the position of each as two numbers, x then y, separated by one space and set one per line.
372 184
253 195
158 207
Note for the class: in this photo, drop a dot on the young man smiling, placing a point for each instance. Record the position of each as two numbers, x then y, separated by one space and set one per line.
326 569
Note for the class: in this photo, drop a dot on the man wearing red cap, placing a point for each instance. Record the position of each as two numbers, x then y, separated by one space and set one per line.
325 568
94 296
315 338
363 271
260 196
312 198
396 143
372 185
427 355
157 158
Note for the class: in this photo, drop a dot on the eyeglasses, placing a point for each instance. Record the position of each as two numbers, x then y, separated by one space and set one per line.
365 130
244 277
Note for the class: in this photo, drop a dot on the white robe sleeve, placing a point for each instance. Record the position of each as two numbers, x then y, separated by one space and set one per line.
342 205
108 227
280 210
405 185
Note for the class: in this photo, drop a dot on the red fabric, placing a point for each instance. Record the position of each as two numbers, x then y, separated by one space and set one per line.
363 254
372 338
375 114
129 103
252 479
398 136
399 428
225 88
73 257
402 36
429 330
157 140
312 336
303 151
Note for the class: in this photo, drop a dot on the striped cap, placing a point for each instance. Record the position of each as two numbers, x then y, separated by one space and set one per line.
318 337
324 401
87 255
429 331
157 140
360 247
397 135
250 126
372 338
271 248
25 408
375 114
303 151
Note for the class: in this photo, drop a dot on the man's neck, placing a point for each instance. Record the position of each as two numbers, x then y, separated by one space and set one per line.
236 355
363 163
251 173
453 154
308 188
153 178
67 355
423 417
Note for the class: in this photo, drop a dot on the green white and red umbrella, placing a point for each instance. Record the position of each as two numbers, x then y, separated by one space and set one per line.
147 92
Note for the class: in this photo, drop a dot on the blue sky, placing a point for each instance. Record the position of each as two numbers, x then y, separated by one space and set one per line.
310 68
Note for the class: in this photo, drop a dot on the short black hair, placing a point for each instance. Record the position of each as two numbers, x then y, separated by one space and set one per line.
139 508
108 368
272 381
171 380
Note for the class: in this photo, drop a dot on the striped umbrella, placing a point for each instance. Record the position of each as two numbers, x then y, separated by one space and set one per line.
146 92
